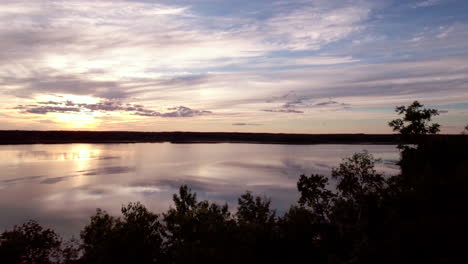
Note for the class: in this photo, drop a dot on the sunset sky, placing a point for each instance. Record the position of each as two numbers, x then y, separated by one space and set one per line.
293 66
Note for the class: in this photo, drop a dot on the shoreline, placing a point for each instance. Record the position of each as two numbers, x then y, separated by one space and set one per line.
22 137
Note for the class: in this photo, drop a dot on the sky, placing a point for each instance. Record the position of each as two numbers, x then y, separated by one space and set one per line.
286 66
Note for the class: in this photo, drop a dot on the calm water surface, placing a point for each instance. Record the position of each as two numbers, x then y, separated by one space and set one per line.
62 185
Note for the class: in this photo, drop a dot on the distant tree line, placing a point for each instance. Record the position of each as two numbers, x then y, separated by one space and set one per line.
417 216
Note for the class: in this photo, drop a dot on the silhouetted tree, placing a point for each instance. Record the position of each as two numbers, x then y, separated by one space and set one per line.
305 235
358 212
257 232
254 210
30 243
357 177
465 130
345 223
315 195
415 120
134 238
431 206
198 232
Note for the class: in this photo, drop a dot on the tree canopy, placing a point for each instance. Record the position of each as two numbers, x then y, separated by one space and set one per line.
415 121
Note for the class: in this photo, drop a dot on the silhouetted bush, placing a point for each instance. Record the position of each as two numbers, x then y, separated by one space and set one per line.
31 243
137 237
198 232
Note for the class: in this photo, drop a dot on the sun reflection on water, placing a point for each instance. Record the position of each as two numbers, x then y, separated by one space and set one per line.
82 156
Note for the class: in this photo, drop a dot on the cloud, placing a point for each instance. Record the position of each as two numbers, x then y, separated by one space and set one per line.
291 101
332 104
283 111
179 111
50 103
327 103
93 32
386 82
32 109
69 106
42 82
290 61
296 102
246 124
182 111
427 3
282 97
107 106
312 25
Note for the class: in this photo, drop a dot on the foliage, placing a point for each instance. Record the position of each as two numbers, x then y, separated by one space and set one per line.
315 195
357 177
30 243
254 210
465 130
348 211
415 120
434 180
256 229
136 237
197 232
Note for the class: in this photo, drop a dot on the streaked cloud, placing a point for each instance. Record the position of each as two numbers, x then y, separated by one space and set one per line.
294 111
427 3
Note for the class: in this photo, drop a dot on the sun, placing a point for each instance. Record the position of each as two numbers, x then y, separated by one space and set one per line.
77 120
79 112
73 120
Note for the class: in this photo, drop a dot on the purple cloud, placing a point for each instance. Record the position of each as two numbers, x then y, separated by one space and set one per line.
108 106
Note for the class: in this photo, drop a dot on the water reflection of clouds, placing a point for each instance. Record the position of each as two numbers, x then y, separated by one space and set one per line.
107 170
249 165
21 179
285 166
90 172
292 169
56 179
219 190
81 152
195 182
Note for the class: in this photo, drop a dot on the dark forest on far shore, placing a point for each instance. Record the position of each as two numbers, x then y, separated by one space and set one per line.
58 137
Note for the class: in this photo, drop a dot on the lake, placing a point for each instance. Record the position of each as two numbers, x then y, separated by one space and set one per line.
62 185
